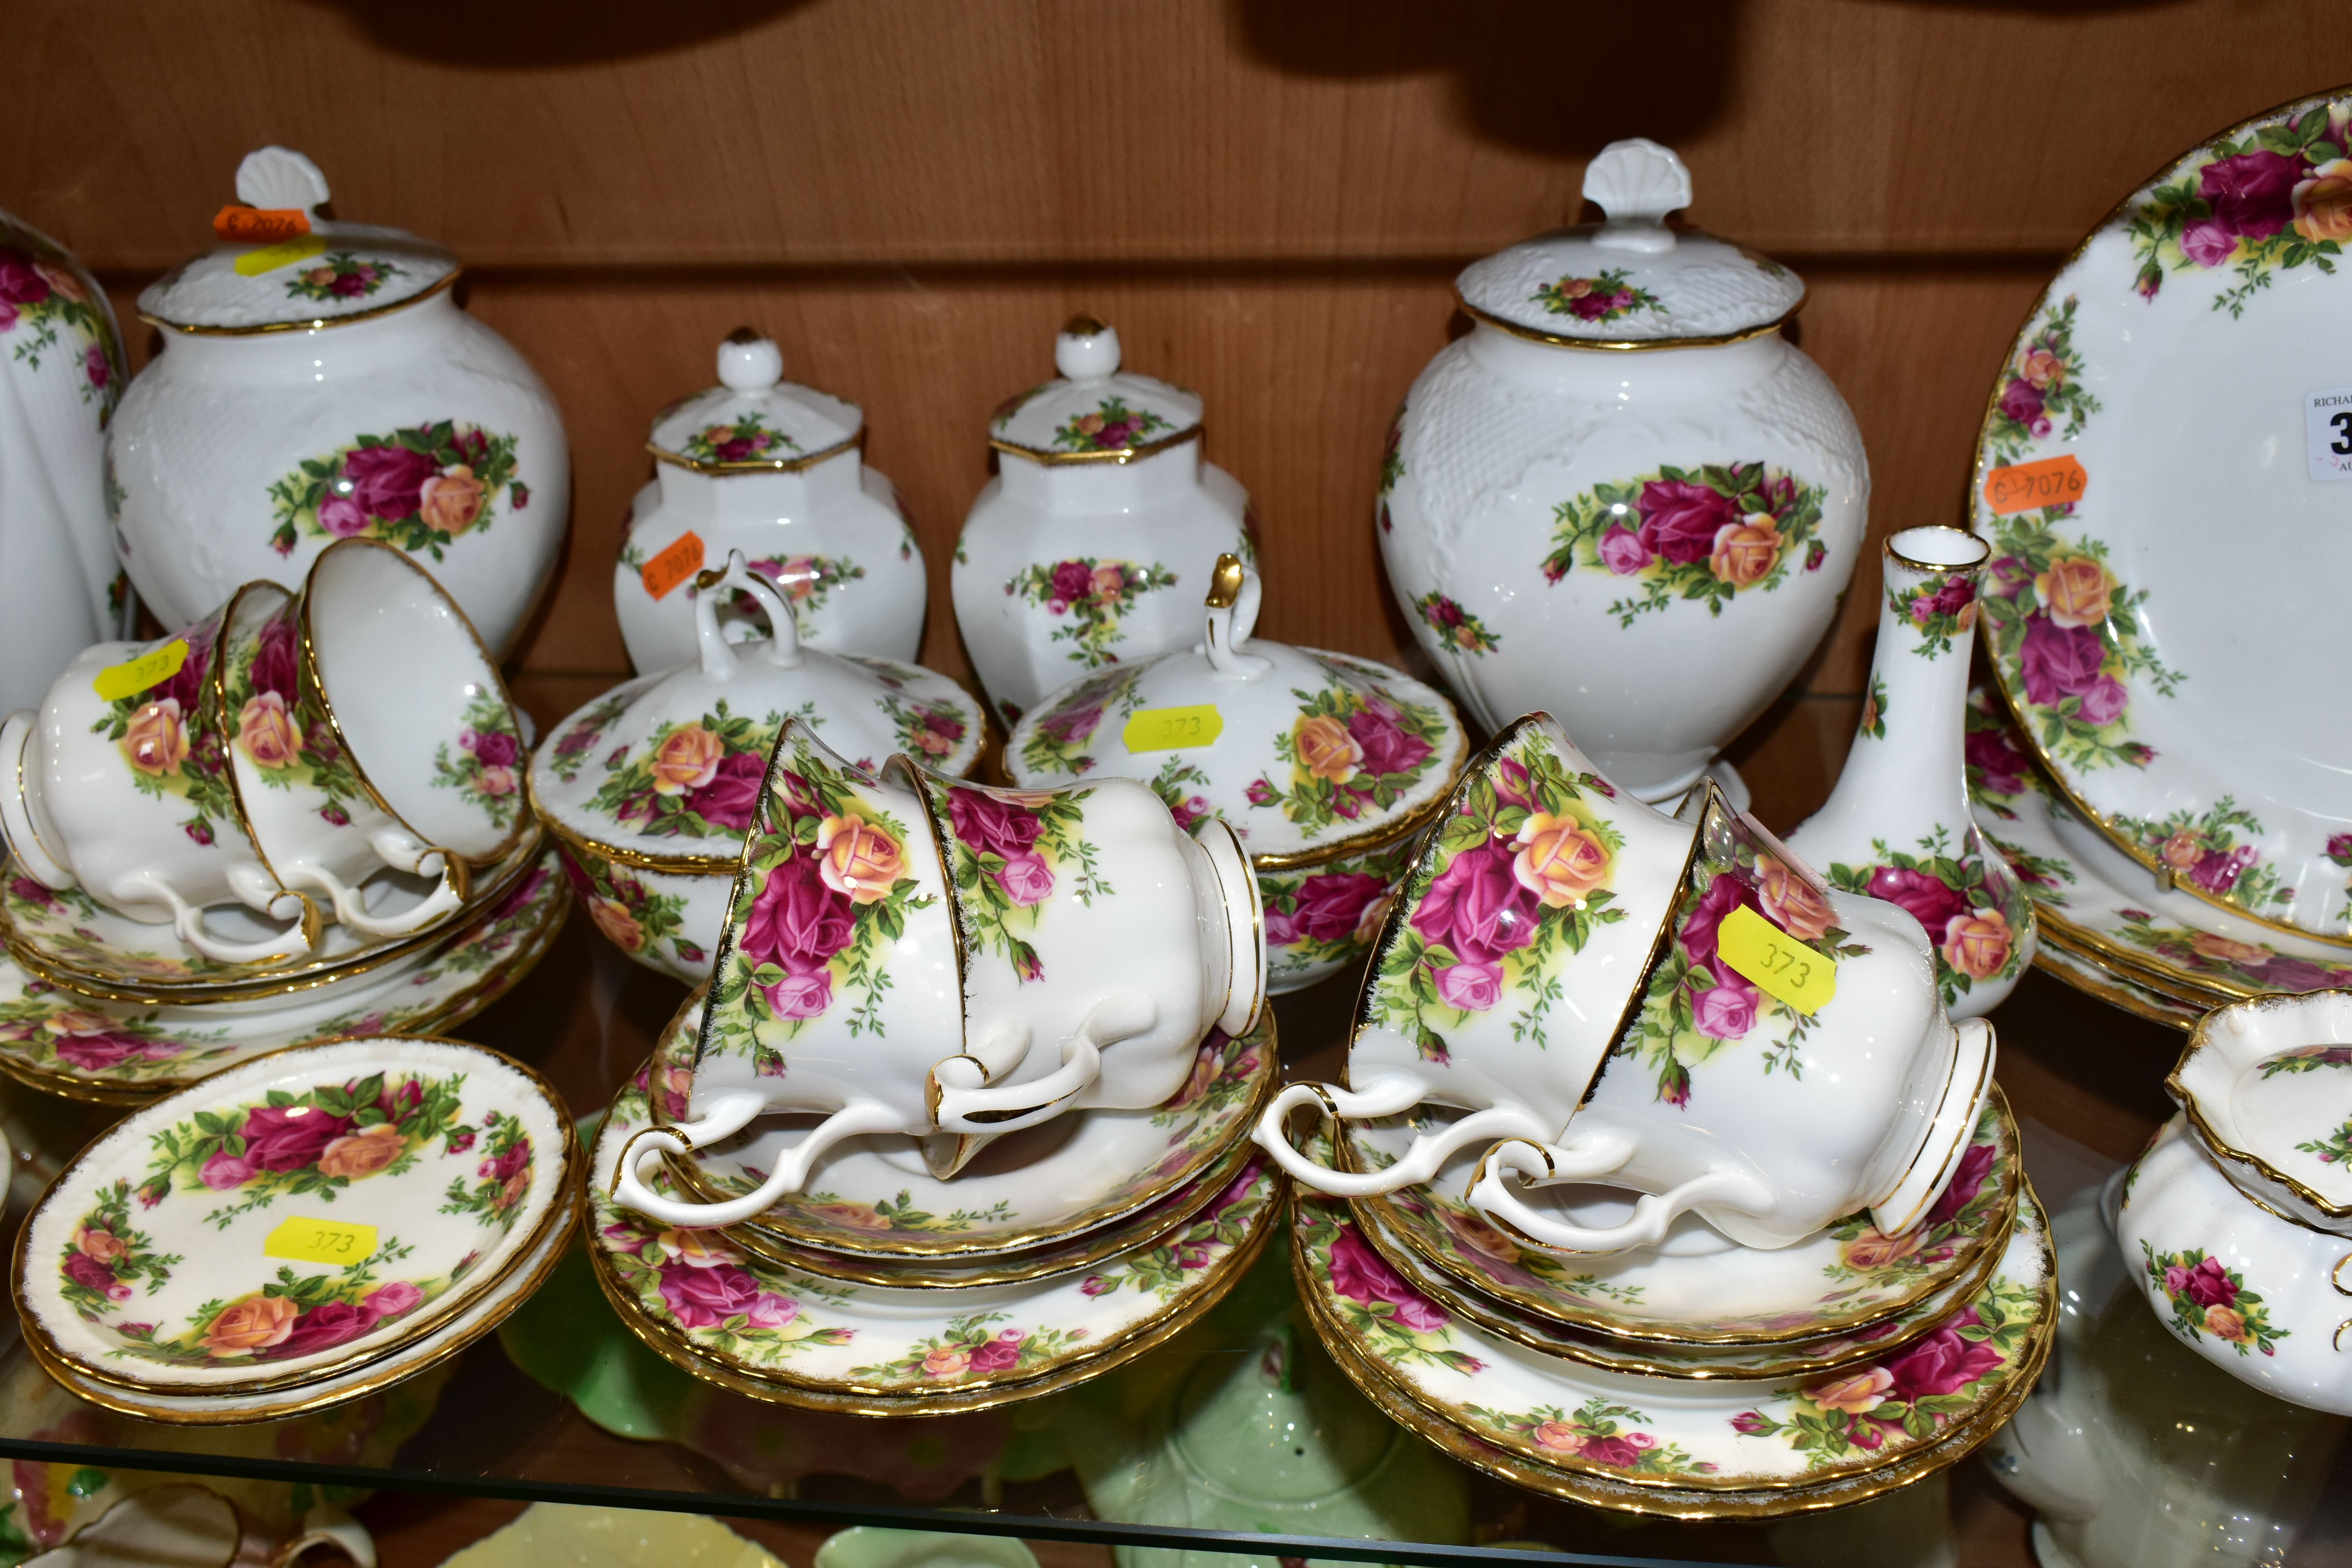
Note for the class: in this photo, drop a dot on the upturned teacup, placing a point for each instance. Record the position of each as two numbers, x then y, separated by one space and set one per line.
1576 970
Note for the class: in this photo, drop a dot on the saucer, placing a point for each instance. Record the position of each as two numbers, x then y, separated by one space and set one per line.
294 1217
2135 996
62 1043
2093 899
1879 1339
782 1334
493 1308
1697 1289
1679 1433
874 1197
73 941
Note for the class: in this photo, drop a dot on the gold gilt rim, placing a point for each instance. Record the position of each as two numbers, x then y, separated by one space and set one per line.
1975 490
2028 1367
1268 1074
430 1354
1117 456
2222 1148
1626 346
571 1181
1469 1304
2113 958
1594 1492
497 684
2084 977
465 1005
780 466
316 324
1099 1356
324 971
1931 568
1602 1321
215 707
1106 1241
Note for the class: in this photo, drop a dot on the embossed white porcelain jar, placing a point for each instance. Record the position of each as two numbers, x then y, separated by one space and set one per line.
1624 498
1094 542
326 387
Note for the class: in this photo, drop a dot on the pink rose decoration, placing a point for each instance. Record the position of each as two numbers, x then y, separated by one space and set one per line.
727 800
705 1298
1623 552
1026 878
323 1327
1330 906
1363 1275
1476 907
288 1137
1387 746
391 1300
387 480
1470 987
1726 1010
990 826
771 1311
226 1172
1928 899
2252 194
999 1354
343 517
1941 1363
1680 520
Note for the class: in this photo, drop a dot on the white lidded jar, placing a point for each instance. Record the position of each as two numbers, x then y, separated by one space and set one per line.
320 384
1092 543
776 471
1624 497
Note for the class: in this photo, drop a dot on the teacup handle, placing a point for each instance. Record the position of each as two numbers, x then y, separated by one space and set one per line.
1384 1097
1589 1159
301 936
960 1102
730 1114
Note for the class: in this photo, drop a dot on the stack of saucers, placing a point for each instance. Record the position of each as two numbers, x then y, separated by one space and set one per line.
1695 1378
2109 928
299 1231
1058 1253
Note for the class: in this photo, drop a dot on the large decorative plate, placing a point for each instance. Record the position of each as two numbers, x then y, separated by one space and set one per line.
294 1217
1072 1174
1696 1288
2105 908
120 1053
1679 1433
782 1335
2165 470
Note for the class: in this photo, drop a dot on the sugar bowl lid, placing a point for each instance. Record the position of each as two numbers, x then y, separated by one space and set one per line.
1631 280
1305 753
283 267
666 770
755 420
1095 412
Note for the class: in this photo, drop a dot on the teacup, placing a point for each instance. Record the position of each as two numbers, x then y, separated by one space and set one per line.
1560 965
318 828
119 787
865 976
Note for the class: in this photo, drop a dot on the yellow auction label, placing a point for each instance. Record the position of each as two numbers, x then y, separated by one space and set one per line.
270 258
1779 965
1165 729
305 1240
133 676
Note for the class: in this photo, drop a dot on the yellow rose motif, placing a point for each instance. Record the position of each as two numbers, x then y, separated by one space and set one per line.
1560 860
1857 1395
619 926
2042 368
948 1361
1326 749
1870 1251
1559 1437
1791 902
1745 552
2226 1323
2323 203
2182 851
857 858
1978 943
856 1216
2223 949
688 758
363 1153
451 499
267 733
253 1323
698 1249
103 1245
2074 591
155 742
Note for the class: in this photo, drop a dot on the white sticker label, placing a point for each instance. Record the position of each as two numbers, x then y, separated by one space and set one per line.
2328 433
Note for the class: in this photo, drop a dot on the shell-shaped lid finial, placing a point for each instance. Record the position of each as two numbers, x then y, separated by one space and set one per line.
1096 413
754 421
1629 279
283 266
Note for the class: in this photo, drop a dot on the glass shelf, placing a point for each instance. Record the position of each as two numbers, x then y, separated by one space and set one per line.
563 1405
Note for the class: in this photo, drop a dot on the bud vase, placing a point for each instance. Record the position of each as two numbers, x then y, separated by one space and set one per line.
1898 826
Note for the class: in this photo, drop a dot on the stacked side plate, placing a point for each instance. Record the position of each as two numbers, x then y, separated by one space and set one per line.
1058 1254
299 1231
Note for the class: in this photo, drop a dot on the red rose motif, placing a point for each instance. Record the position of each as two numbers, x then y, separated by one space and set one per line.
1728 891
2252 194
288 1137
1999 765
1074 582
797 923
989 825
1363 1275
1387 745
1923 894
728 799
1476 907
1967 1181
386 481
1330 906
1941 1363
1680 520
323 1327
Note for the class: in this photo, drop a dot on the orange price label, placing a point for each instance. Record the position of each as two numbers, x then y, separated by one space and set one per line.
679 559
260 226
2029 487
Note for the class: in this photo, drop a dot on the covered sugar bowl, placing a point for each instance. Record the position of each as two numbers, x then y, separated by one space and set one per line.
317 382
650 788
1329 769
1073 556
1624 498
776 471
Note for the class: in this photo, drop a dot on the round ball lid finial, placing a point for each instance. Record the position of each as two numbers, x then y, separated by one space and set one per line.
750 363
1086 350
1637 182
